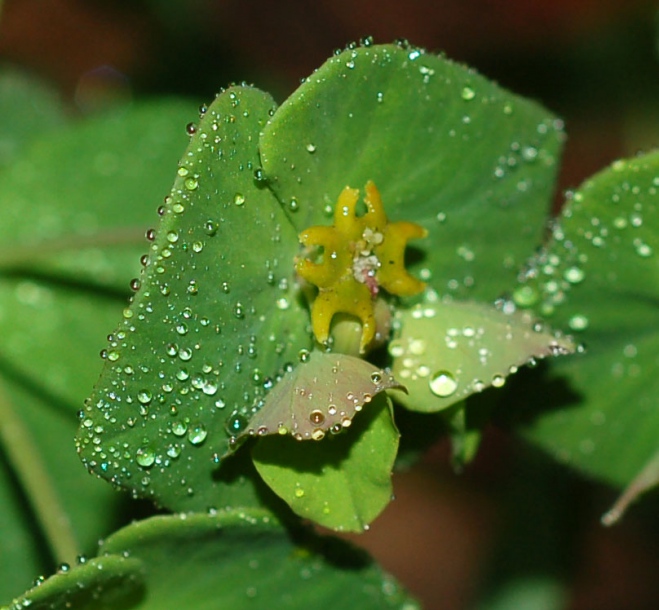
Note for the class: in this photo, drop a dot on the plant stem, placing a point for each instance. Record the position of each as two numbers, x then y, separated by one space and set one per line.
23 454
22 255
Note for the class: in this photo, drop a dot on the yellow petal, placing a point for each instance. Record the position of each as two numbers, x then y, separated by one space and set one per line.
392 275
349 297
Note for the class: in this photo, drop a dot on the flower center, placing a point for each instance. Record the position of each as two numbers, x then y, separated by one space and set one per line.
362 254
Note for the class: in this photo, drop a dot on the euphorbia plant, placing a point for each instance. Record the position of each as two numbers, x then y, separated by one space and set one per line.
361 249
222 312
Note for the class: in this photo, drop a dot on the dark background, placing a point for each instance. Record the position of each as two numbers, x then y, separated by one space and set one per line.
594 62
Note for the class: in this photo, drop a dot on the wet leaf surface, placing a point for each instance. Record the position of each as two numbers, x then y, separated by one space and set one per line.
343 481
471 162
449 350
600 279
215 319
321 395
253 563
56 304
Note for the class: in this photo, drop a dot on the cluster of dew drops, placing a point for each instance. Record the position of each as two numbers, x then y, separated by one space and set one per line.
195 432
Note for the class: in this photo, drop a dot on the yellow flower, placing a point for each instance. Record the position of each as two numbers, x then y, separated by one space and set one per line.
360 255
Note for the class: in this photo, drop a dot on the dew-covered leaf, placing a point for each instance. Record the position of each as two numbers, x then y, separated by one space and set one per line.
599 278
471 162
214 321
343 481
111 582
60 270
322 394
238 559
448 350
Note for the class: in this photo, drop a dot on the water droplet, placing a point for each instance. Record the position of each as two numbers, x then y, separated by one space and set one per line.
417 347
173 451
238 199
144 397
396 349
311 148
529 153
197 434
145 456
191 183
443 384
642 249
239 311
316 417
477 385
498 381
468 93
172 237
235 423
299 493
179 428
578 322
210 228
259 177
525 296
574 275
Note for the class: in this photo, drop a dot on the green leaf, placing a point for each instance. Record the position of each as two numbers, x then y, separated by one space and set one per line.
600 278
322 394
448 350
214 321
91 193
238 559
342 482
28 109
105 583
471 162
60 267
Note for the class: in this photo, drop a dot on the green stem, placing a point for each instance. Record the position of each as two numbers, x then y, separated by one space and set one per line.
23 454
23 255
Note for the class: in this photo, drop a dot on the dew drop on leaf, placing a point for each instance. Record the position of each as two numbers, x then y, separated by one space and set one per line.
235 423
443 384
144 397
197 434
145 456
468 94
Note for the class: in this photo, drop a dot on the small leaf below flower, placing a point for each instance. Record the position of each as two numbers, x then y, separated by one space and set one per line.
343 482
322 394
449 350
